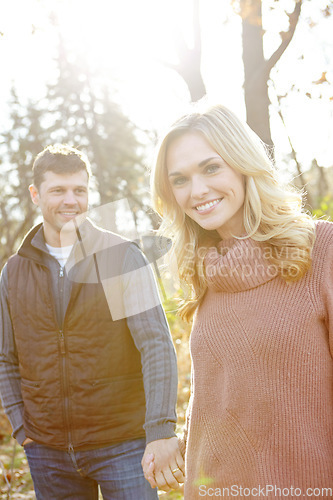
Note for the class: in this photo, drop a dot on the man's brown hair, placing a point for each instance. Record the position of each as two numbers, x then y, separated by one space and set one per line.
60 159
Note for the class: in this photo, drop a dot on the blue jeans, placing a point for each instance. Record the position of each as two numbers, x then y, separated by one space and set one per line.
59 475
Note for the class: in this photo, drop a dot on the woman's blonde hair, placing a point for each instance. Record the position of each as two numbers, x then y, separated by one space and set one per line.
272 212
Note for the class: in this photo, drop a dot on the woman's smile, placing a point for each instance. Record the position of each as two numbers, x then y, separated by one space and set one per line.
208 206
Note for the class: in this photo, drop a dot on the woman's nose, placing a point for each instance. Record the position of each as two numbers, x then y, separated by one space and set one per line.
199 187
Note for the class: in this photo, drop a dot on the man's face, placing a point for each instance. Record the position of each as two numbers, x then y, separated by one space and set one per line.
61 197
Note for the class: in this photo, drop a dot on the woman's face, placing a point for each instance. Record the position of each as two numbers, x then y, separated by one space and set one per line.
205 187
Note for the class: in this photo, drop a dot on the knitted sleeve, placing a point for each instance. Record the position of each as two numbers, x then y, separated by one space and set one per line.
327 287
10 381
183 438
149 328
321 282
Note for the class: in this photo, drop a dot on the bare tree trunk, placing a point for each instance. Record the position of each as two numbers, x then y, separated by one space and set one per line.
256 68
189 66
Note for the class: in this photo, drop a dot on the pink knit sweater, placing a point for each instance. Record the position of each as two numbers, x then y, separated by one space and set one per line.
261 410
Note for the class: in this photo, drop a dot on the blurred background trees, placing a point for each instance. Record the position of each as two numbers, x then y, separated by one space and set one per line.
79 104
257 68
76 109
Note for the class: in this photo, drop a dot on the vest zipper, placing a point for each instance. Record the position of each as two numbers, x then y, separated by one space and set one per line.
62 342
64 364
65 386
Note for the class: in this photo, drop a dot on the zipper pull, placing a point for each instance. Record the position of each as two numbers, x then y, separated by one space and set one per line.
62 342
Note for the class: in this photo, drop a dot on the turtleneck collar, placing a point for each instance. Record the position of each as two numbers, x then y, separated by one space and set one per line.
238 265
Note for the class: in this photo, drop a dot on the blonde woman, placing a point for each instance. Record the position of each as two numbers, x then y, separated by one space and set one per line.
259 278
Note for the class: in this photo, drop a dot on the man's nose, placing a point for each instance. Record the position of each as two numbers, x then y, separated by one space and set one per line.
199 187
70 198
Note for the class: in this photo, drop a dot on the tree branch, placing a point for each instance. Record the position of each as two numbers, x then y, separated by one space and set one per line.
190 58
196 28
286 36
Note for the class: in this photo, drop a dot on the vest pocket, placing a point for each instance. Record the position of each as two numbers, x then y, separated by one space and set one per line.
43 416
107 396
30 383
101 381
107 410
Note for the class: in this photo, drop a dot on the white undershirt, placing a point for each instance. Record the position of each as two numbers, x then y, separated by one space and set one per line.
60 253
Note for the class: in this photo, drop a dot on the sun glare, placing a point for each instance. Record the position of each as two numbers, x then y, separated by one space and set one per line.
133 45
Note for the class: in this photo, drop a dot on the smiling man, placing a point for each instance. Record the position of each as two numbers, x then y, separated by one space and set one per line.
60 197
86 392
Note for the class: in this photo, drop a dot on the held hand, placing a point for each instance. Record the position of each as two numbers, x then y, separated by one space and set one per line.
163 464
149 470
26 441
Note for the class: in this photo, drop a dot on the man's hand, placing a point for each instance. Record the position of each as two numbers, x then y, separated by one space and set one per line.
163 464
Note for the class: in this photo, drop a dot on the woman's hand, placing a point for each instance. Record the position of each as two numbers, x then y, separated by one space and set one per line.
26 441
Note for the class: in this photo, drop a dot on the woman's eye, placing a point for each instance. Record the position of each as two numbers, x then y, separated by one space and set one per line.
178 181
211 169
